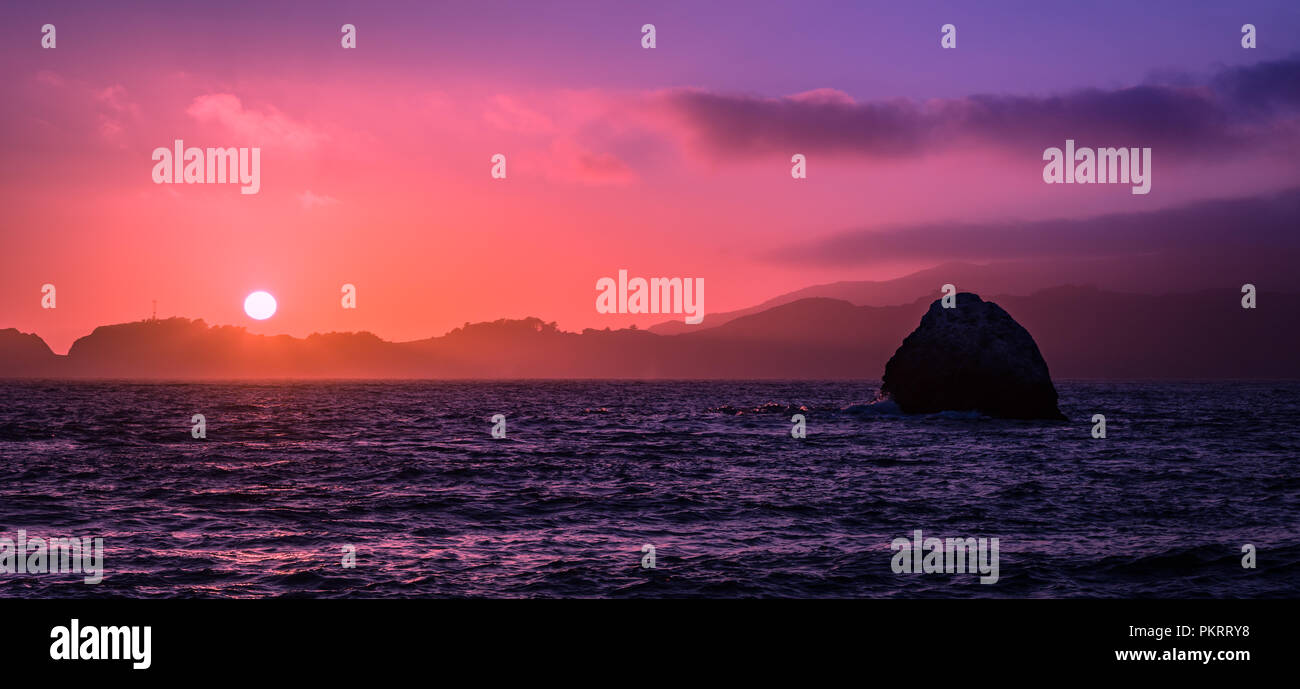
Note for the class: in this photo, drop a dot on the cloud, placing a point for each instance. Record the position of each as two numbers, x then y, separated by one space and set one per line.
568 161
1240 108
48 78
1262 222
114 98
107 112
508 114
117 111
571 137
255 127
310 200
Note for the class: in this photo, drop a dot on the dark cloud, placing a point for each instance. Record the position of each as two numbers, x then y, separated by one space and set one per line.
1240 108
1263 222
1262 86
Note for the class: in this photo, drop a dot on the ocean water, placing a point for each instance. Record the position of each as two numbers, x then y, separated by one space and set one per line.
707 472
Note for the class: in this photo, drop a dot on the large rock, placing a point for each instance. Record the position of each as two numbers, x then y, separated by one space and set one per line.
972 357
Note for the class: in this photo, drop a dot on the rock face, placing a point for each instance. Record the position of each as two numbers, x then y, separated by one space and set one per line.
972 357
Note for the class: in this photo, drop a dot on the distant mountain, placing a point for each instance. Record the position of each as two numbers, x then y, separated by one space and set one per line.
1082 332
1156 273
23 352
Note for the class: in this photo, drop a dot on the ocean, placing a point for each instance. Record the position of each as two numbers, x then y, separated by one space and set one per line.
406 476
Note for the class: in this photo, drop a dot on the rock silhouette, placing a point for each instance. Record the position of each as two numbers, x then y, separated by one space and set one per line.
974 357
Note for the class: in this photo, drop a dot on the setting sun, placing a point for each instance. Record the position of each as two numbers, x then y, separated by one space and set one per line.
260 305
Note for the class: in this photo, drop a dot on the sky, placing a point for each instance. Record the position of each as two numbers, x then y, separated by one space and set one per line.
671 161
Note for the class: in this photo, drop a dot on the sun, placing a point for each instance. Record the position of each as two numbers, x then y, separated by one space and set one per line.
260 305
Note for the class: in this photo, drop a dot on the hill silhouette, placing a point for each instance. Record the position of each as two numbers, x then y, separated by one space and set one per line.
1083 332
1154 273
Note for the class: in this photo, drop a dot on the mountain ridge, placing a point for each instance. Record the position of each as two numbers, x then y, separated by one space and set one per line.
1083 332
1153 274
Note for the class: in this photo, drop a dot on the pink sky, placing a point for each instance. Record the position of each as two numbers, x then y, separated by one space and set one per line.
375 171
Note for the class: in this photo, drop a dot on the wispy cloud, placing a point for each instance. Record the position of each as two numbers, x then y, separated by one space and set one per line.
566 136
259 127
117 112
311 200
506 113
